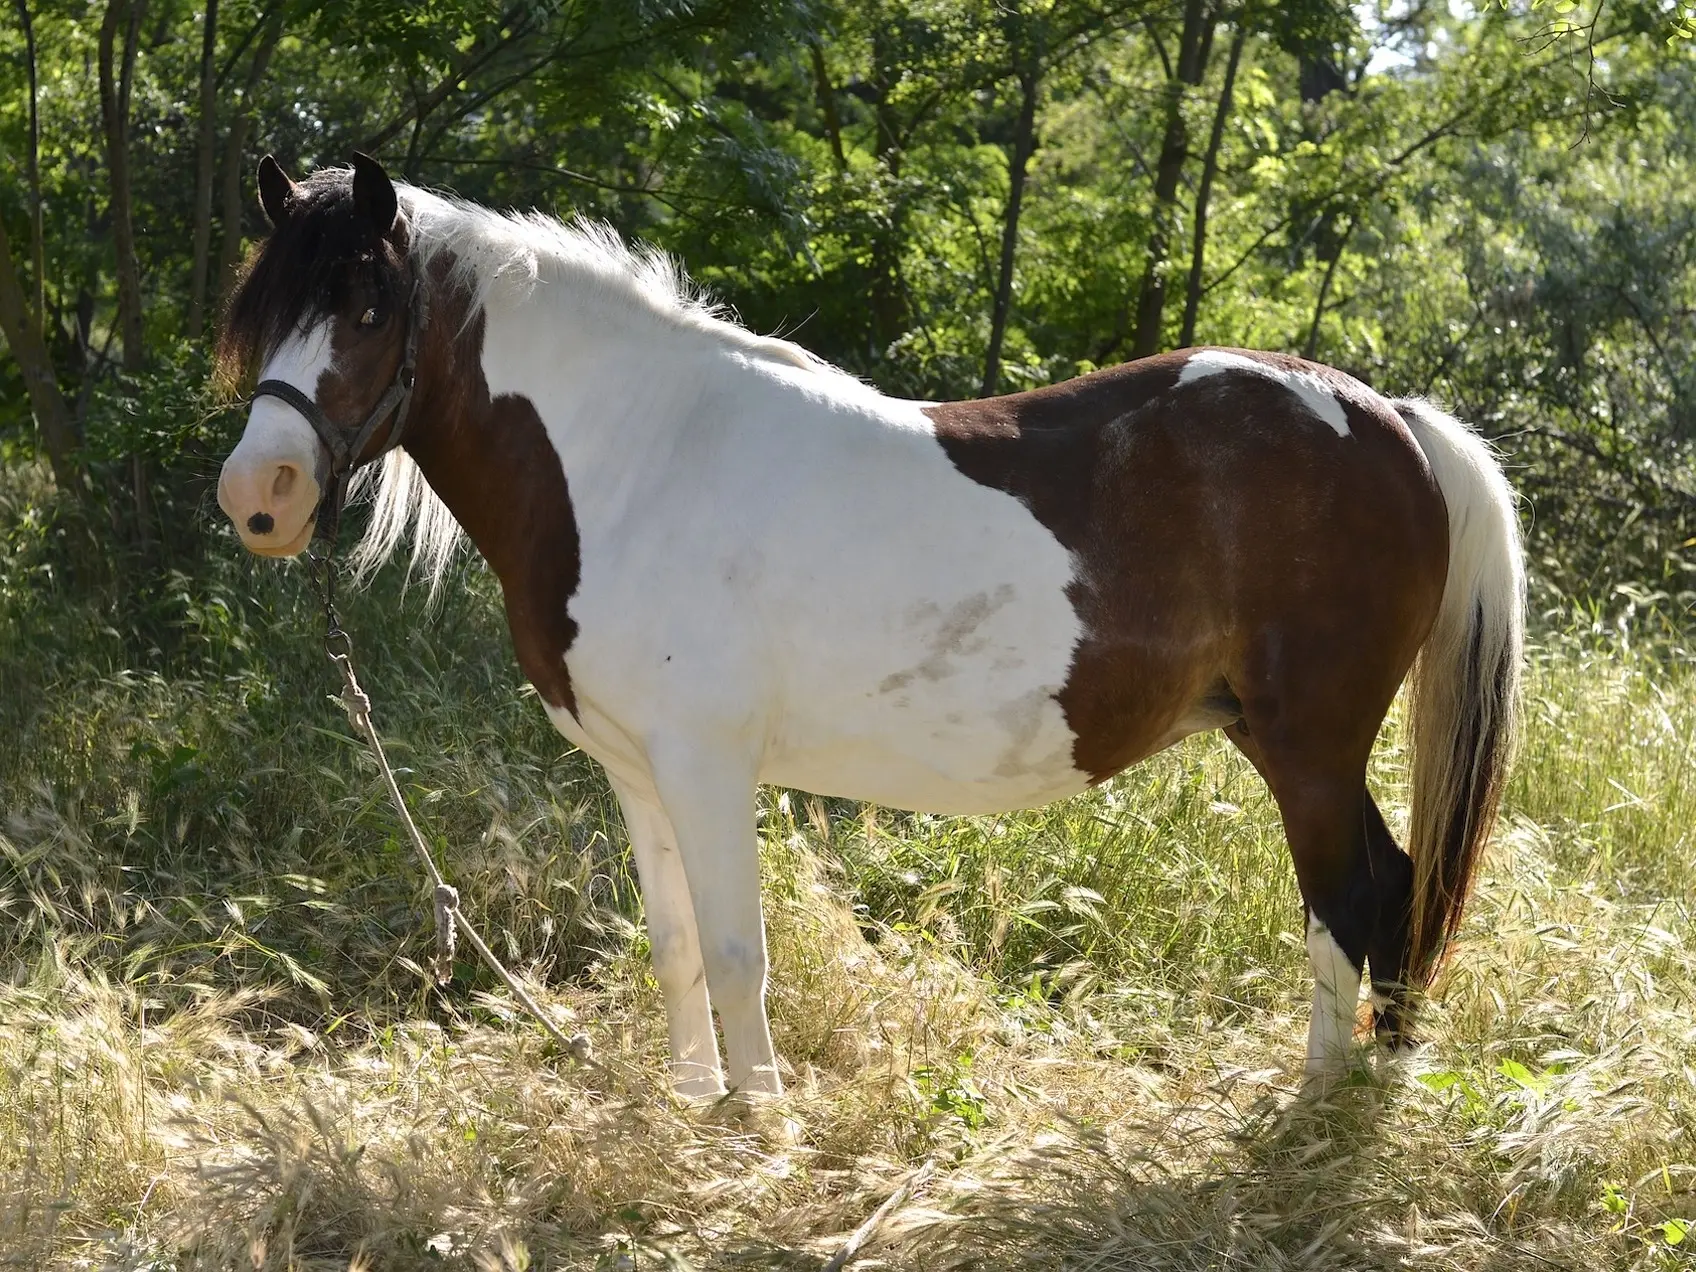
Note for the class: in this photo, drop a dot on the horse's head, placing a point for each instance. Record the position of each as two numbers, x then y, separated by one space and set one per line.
327 310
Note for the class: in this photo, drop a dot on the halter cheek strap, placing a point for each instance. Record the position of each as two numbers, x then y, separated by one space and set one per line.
344 454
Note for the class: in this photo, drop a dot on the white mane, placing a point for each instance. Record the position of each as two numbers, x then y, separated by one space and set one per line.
503 258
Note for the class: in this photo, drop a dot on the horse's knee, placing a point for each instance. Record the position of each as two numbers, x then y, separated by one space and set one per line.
736 971
675 957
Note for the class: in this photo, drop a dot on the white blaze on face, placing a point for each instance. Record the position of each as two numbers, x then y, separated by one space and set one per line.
1314 393
269 486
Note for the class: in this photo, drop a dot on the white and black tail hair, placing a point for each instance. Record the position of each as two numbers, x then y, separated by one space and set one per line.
1465 685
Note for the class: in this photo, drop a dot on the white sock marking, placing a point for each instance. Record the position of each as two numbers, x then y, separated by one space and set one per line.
1336 992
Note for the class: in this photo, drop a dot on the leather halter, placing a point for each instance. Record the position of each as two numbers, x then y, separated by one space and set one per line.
344 454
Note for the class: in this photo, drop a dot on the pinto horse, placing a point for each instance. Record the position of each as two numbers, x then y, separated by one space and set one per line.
726 562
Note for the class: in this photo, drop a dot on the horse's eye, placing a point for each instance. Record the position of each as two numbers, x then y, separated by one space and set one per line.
370 317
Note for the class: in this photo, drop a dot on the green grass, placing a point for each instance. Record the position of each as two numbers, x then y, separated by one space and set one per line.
218 1048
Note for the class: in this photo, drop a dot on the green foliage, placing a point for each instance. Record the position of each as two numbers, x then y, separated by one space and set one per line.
1495 209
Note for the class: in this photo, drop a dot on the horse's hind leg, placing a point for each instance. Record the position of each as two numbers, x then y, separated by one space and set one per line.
1392 871
1354 880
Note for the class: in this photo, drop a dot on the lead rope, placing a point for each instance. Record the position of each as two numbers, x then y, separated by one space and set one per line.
449 917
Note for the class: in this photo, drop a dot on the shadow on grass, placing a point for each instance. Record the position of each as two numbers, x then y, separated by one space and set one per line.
1244 1174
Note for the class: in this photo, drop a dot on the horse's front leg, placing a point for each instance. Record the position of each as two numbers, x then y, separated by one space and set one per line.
674 945
707 792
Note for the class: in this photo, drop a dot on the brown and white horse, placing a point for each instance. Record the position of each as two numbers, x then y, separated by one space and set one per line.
727 563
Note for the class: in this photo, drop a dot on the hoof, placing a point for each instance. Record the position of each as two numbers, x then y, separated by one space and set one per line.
697 1084
781 1129
765 1114
1392 1017
1334 1073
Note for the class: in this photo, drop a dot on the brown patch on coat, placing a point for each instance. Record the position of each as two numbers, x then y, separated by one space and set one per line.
492 464
1229 547
487 458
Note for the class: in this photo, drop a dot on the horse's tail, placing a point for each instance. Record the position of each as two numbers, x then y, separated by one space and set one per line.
1465 703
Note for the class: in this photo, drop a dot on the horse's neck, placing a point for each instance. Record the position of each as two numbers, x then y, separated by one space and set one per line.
610 393
577 402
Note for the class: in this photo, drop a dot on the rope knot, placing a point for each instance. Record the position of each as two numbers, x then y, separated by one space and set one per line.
447 906
355 703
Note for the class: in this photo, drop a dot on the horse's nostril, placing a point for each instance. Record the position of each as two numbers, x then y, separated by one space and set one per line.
261 523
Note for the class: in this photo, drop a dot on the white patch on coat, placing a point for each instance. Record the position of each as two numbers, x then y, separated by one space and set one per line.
1314 392
1336 994
530 261
902 645
774 556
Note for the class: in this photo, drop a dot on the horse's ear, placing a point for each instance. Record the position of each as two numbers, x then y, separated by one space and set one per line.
373 193
274 191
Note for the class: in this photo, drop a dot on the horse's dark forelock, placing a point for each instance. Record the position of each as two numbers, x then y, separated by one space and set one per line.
302 273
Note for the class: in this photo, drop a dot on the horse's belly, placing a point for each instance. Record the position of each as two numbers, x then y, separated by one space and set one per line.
904 646
916 782
979 731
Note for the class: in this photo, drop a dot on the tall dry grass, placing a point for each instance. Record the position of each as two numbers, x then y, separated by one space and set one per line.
218 1049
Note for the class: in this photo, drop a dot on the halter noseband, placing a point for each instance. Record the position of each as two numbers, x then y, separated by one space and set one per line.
396 401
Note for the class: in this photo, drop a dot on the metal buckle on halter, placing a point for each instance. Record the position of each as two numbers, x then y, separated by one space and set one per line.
395 403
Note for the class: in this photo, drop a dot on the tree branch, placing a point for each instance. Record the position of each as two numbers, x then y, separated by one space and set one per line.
517 26
826 93
234 56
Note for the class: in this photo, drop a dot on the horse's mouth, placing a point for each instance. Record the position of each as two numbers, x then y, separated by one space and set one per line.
294 547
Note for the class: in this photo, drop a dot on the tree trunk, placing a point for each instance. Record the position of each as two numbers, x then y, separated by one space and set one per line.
235 144
23 335
24 324
1024 145
826 93
1204 193
888 299
32 168
115 115
205 158
1174 149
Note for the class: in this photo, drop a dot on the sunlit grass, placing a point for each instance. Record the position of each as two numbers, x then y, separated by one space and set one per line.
217 1048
